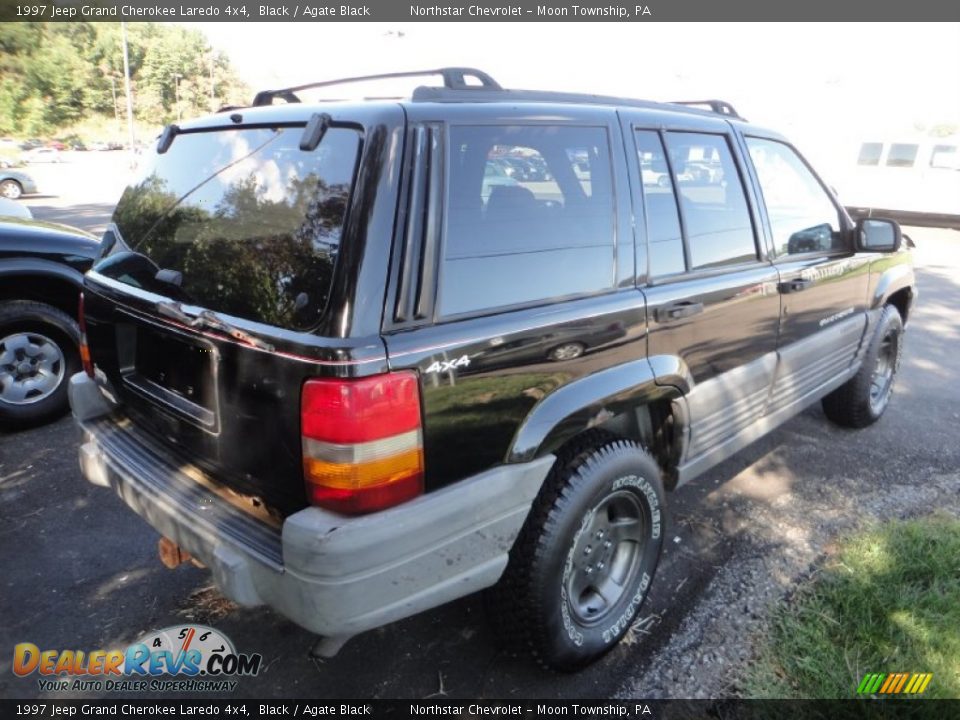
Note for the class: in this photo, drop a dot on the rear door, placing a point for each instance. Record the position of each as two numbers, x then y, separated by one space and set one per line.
513 270
822 282
712 303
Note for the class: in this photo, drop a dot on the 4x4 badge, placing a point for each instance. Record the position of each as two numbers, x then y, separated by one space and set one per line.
448 365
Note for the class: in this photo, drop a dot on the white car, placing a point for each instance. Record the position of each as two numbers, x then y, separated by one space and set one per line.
43 155
654 177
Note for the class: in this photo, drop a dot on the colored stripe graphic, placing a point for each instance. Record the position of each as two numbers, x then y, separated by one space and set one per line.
887 683
900 684
914 682
894 683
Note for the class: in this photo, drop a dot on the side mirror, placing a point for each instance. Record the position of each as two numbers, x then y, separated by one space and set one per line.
878 235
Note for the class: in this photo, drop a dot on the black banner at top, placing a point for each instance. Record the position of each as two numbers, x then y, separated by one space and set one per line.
475 10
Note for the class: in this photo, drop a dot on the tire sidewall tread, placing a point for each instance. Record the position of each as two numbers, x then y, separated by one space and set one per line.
849 405
32 316
531 593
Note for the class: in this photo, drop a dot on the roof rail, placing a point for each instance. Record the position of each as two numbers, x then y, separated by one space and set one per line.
721 107
480 94
454 78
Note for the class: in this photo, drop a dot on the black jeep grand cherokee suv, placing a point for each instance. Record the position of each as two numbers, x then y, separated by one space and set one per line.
358 371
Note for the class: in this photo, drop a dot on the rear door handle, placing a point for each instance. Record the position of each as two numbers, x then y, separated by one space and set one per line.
677 310
795 285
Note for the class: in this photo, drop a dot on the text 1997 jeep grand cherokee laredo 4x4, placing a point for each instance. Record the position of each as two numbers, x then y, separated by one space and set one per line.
346 359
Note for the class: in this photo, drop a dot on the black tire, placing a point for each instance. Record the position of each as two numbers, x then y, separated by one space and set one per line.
862 400
600 508
20 318
11 189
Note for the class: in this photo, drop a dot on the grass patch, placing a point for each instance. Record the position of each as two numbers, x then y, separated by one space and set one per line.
887 601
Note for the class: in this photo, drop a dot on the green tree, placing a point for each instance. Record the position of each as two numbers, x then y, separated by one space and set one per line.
55 74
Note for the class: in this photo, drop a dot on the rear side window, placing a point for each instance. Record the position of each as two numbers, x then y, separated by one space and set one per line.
870 154
530 216
664 238
246 222
902 155
714 206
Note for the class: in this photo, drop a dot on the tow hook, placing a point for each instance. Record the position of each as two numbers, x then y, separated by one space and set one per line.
172 555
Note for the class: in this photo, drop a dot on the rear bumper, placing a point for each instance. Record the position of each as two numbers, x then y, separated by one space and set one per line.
334 575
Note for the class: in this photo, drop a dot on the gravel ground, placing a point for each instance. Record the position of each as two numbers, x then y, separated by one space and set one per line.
780 529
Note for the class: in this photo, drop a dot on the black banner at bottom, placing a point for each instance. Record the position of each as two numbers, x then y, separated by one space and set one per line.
653 709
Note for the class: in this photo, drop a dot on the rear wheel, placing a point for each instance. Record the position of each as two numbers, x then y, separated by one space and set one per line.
38 354
11 189
584 561
862 399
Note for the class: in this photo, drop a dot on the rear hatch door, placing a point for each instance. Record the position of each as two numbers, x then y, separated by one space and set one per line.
214 277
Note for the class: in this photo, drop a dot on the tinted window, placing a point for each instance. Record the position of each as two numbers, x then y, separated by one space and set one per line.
664 240
802 216
870 154
251 222
530 216
902 155
715 213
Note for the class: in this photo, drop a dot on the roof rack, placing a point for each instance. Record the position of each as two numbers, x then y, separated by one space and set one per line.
454 78
481 94
721 107
457 89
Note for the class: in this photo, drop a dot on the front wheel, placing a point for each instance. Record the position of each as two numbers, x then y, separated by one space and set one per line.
38 354
861 400
587 554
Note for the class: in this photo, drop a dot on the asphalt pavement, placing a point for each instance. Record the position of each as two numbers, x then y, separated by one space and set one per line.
79 570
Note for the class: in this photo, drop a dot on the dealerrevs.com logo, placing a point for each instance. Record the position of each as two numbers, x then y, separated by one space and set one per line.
183 658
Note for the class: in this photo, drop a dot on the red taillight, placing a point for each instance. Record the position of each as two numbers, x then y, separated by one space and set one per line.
362 441
84 348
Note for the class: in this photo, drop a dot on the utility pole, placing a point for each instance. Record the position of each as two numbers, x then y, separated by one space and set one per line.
126 82
116 112
176 86
213 97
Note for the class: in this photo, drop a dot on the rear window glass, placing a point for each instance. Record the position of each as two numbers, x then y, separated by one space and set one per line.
664 239
243 221
530 216
712 199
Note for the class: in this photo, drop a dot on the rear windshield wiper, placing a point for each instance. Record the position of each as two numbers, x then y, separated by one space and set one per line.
211 321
